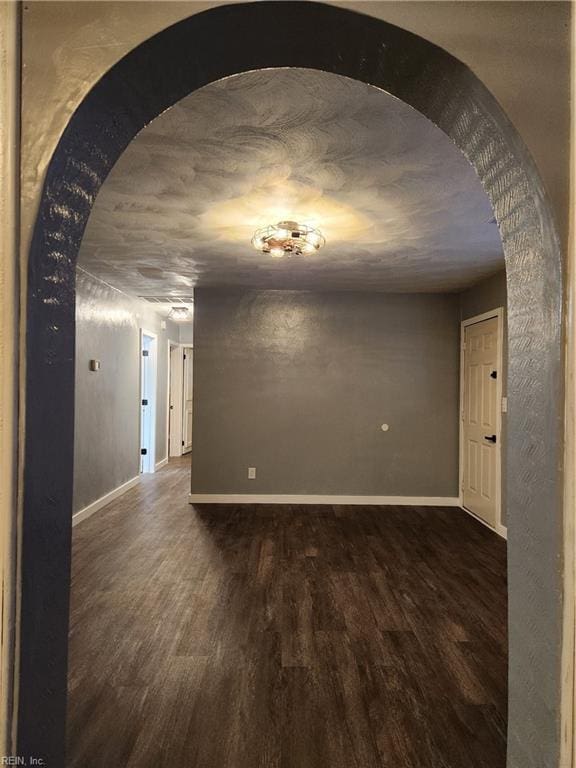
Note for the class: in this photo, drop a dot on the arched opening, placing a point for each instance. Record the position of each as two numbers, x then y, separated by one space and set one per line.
140 87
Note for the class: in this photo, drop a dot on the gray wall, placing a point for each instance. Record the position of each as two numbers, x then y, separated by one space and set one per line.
298 384
107 412
186 332
483 297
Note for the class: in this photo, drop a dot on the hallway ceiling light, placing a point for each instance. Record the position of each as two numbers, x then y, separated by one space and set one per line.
179 313
288 238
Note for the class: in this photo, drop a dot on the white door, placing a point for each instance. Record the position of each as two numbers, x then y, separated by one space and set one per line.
481 420
175 411
187 401
147 402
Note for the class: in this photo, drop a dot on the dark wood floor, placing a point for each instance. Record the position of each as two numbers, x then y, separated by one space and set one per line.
284 637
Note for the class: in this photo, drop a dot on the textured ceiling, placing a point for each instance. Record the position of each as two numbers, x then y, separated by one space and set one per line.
399 205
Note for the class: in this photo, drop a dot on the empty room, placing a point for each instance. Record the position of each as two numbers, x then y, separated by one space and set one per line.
331 549
293 378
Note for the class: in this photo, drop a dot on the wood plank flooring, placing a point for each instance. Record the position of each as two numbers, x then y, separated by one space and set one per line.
284 637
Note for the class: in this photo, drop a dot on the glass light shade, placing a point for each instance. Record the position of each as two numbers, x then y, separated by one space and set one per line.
288 238
179 313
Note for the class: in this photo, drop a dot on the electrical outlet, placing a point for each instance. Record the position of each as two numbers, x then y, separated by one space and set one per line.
251 473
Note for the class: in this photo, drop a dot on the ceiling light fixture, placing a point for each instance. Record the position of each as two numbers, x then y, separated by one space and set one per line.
178 313
288 238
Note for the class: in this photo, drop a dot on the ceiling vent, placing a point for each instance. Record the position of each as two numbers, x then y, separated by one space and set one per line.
175 300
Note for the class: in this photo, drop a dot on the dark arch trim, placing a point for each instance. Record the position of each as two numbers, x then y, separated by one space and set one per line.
208 46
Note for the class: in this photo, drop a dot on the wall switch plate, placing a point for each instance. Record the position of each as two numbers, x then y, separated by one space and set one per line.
504 405
251 473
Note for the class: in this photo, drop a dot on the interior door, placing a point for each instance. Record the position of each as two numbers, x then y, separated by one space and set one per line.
481 420
187 400
175 411
146 406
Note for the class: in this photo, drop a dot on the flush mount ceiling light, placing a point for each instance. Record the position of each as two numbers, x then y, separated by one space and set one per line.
288 238
179 313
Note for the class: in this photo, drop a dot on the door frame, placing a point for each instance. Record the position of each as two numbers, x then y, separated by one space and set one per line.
499 314
151 462
185 346
178 422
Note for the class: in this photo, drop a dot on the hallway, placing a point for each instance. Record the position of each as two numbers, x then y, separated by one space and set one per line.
293 637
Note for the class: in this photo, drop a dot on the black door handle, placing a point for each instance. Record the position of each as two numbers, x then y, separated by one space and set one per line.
492 438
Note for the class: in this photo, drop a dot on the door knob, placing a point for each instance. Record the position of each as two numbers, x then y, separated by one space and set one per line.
492 438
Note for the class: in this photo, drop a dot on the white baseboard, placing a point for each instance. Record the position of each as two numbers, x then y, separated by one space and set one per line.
103 501
160 464
262 498
500 529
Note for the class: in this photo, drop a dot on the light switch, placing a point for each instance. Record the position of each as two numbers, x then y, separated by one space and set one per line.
504 405
251 473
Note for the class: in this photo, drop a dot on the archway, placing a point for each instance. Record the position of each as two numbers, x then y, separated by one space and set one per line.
238 38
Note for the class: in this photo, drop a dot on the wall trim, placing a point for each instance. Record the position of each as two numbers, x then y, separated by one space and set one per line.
502 530
103 501
11 404
162 463
289 498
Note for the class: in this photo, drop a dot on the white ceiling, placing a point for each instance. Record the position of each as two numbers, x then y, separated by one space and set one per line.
400 207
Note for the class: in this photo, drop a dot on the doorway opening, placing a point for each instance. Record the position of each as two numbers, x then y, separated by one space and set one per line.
208 47
180 401
148 376
482 403
187 399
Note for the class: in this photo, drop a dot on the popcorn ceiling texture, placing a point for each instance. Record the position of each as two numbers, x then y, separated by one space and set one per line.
400 206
